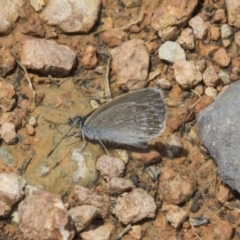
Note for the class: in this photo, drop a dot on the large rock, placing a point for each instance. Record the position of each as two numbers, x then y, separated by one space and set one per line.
47 57
10 11
130 62
219 130
11 191
71 15
169 18
42 215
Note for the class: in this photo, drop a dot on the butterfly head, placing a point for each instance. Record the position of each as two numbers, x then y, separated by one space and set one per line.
77 121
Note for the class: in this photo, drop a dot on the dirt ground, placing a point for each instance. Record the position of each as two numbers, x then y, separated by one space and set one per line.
75 99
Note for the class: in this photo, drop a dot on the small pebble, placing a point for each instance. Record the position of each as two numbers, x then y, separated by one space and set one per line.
163 83
8 133
29 129
224 76
32 121
211 92
199 221
175 146
226 31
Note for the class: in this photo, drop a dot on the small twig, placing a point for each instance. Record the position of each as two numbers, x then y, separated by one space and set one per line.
124 231
29 81
194 230
58 83
133 23
199 98
107 84
124 27
151 39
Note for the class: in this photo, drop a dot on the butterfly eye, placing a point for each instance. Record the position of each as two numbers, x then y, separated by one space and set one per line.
130 127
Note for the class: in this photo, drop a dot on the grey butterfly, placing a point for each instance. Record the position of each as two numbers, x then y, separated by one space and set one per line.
131 119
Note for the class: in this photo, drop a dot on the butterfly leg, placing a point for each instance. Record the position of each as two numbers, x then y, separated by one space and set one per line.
105 149
84 143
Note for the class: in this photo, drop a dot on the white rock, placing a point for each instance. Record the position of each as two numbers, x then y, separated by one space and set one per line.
171 52
32 121
226 31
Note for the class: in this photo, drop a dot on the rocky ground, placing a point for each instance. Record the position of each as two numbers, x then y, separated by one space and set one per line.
62 58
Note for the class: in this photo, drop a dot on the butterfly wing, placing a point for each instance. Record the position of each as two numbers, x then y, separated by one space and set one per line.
147 96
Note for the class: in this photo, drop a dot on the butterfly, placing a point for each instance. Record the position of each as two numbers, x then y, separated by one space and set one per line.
132 119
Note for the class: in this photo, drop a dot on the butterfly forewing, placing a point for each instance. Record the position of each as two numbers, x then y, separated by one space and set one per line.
132 119
147 96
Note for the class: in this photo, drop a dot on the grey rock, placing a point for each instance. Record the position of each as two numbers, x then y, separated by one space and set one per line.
86 173
199 221
219 130
6 156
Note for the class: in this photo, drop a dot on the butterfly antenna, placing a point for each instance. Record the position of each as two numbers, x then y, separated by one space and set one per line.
50 153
